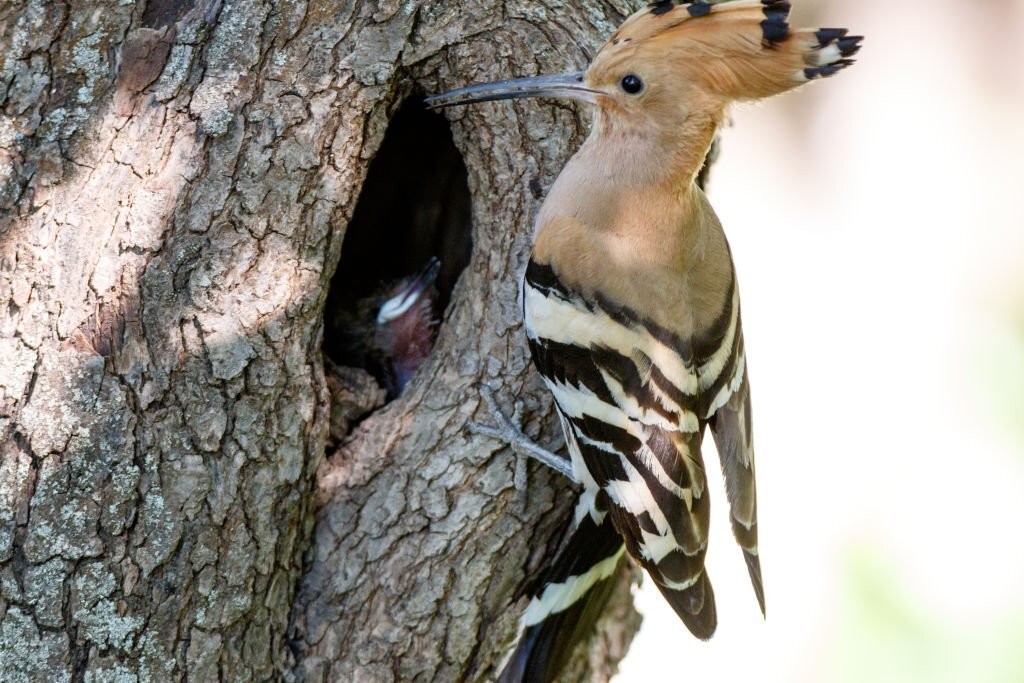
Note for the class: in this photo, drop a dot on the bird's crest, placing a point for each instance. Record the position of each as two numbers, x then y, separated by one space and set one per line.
736 49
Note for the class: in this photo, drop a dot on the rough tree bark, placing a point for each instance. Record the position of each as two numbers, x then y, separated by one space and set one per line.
176 178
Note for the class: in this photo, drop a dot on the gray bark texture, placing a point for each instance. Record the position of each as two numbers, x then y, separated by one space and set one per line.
176 179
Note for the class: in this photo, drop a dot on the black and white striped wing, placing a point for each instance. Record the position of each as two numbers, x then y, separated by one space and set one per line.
726 408
732 428
631 408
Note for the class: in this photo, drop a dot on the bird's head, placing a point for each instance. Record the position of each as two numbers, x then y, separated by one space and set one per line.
408 295
670 70
404 327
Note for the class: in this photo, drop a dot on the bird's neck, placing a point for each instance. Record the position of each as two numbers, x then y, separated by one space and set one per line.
628 181
647 153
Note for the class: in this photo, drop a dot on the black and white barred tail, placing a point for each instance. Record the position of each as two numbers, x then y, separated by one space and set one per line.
565 609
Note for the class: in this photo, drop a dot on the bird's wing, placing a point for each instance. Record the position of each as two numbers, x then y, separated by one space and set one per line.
725 405
731 427
632 408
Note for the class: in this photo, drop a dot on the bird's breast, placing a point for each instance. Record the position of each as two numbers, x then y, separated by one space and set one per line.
678 285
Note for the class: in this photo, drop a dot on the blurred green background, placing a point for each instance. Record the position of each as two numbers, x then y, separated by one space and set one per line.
877 223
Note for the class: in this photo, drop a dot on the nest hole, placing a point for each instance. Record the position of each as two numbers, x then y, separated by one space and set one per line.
407 243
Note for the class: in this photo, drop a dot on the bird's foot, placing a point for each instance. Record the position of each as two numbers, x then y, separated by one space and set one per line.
507 431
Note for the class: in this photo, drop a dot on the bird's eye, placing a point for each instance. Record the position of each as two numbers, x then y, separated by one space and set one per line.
632 84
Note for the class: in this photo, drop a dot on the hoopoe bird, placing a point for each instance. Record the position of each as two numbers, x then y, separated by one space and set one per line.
632 310
405 327
391 331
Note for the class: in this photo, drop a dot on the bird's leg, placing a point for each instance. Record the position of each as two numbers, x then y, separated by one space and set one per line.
519 474
512 435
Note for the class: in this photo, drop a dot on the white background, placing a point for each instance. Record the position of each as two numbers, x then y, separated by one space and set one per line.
877 225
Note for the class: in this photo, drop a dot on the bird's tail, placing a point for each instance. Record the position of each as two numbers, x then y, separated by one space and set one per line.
695 605
746 49
567 605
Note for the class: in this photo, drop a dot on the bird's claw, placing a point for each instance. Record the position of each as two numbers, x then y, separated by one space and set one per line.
511 434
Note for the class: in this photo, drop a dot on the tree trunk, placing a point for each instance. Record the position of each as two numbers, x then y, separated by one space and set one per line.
176 183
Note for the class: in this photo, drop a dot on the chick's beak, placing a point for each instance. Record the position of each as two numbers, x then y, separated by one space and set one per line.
567 85
410 293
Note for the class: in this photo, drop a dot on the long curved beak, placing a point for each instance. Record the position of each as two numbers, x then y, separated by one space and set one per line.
567 85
